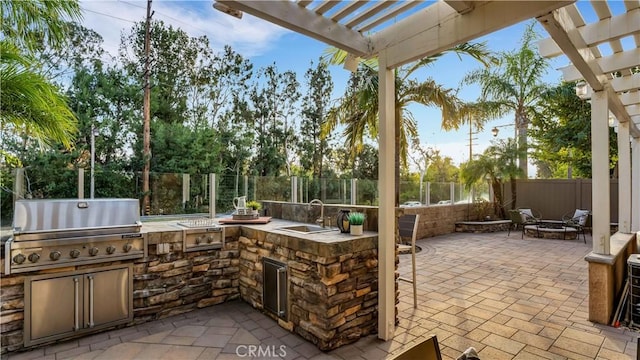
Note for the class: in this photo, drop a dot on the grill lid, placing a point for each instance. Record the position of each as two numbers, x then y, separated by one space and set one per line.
75 217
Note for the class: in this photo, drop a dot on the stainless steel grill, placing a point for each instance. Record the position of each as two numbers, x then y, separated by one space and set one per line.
69 232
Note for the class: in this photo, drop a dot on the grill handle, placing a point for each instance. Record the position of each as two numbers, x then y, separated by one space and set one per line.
76 325
278 289
90 277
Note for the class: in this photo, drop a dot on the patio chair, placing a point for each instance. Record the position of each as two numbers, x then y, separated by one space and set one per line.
516 221
577 220
529 217
408 228
427 349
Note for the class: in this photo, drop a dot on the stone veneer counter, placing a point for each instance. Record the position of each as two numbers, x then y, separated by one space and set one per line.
332 280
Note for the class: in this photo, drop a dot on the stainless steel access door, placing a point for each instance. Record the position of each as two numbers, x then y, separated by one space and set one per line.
53 307
63 305
106 297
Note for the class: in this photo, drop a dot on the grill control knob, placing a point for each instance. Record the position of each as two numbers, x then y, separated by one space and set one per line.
126 247
111 249
55 255
93 251
74 253
209 239
198 240
19 259
33 257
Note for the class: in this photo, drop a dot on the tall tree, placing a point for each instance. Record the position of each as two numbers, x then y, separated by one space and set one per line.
315 106
513 87
273 100
358 108
562 134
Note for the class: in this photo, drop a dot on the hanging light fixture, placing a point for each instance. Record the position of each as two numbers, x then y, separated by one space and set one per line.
583 90
495 131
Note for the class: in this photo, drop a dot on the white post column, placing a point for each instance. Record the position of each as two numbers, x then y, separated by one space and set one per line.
600 173
624 179
635 179
386 209
80 183
294 189
212 196
354 191
427 194
186 189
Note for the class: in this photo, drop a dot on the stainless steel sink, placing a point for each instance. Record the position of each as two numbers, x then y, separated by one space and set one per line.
306 229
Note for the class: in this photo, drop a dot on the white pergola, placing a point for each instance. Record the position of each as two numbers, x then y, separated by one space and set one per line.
399 32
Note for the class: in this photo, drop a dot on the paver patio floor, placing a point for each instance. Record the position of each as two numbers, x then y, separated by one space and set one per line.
507 297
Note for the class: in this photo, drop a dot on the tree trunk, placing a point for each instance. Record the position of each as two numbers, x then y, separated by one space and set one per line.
514 192
523 162
497 194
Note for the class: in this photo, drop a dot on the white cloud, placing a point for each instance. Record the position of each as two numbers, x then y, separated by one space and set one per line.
249 36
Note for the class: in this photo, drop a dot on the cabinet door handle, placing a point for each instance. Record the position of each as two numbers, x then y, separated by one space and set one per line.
76 284
90 277
279 272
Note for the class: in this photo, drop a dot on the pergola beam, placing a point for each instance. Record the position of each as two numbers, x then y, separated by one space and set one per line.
294 17
561 28
411 39
616 27
462 7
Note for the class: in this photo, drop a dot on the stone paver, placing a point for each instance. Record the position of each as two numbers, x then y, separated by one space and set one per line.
509 298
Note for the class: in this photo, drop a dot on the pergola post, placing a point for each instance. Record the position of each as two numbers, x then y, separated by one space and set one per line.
635 179
600 173
624 179
386 215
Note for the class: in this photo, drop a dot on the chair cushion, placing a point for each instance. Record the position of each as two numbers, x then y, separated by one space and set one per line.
580 217
526 214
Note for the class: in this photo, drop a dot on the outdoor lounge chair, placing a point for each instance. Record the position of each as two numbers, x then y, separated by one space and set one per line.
577 220
523 217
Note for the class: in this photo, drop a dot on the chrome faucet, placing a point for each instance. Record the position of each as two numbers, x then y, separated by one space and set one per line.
320 220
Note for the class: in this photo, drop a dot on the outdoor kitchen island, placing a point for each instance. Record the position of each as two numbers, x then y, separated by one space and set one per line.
322 286
329 281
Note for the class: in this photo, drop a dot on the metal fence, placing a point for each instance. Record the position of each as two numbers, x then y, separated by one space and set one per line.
181 194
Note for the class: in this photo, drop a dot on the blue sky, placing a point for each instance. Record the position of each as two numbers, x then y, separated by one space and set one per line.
265 44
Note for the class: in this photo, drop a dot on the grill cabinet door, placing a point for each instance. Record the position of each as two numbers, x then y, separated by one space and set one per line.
54 308
107 297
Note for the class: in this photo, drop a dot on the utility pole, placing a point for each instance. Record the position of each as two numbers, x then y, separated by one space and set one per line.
471 138
146 109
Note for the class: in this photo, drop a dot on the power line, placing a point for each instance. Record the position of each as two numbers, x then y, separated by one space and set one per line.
172 18
107 15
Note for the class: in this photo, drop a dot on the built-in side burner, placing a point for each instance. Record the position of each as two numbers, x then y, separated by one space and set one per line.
201 234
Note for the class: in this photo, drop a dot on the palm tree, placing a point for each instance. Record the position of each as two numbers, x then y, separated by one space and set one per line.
497 162
514 86
357 110
29 102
